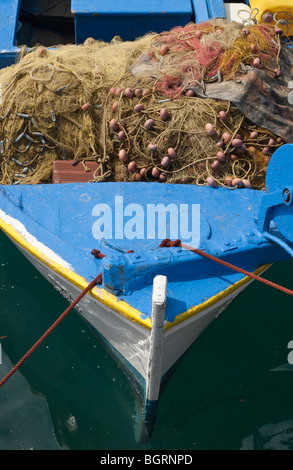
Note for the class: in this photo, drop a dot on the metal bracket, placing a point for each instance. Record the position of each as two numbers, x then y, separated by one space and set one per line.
269 203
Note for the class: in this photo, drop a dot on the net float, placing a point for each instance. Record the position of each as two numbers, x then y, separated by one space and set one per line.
171 152
129 92
155 172
121 135
138 91
237 182
115 107
153 147
164 50
226 137
146 92
138 177
246 183
254 135
114 124
241 149
89 41
237 143
257 63
221 156
138 107
210 130
163 114
143 171
149 124
267 17
86 106
163 177
118 92
246 31
266 160
215 164
132 167
41 52
112 91
165 162
123 156
211 181
190 93
233 157
223 115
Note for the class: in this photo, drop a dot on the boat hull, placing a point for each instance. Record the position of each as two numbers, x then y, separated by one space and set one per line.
128 342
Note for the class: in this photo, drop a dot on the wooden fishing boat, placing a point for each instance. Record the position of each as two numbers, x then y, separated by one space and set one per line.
154 297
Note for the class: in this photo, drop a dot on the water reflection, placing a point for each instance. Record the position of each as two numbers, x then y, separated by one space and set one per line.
271 436
25 421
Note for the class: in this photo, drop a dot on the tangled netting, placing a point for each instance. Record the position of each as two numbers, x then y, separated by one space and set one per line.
136 108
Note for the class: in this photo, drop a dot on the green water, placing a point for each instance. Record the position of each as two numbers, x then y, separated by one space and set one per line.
233 390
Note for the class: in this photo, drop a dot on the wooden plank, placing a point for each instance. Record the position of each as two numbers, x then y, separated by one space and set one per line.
65 172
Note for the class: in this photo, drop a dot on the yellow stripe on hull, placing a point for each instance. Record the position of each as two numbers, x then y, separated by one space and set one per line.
214 300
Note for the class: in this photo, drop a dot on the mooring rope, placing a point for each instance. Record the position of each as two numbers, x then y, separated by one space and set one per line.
46 334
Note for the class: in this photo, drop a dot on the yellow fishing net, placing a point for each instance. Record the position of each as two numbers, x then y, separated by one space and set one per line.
138 108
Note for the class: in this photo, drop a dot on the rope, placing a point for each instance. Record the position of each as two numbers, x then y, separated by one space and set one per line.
169 243
46 334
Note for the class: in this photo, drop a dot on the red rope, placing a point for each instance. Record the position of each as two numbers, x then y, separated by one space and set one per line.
169 243
46 334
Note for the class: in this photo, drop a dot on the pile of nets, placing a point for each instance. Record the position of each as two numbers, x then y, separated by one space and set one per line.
139 108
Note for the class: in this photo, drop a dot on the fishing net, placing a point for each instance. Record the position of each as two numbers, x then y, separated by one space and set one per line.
167 107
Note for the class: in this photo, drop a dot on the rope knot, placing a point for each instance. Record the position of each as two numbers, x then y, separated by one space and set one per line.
168 243
97 254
